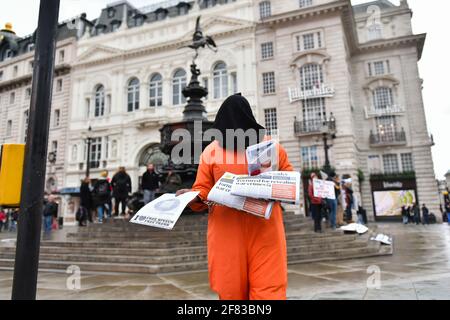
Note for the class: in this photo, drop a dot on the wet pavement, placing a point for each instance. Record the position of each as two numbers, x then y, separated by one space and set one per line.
419 269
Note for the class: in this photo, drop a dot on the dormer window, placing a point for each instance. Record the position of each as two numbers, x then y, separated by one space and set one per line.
183 8
161 14
8 54
138 20
99 29
115 25
30 47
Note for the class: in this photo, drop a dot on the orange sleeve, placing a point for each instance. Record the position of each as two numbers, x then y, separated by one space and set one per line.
204 182
284 164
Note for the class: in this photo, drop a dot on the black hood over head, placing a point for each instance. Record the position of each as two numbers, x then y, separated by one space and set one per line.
236 113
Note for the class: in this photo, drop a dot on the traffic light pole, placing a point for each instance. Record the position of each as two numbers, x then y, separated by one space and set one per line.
31 206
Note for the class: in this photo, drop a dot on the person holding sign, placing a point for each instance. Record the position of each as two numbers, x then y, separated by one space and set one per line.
316 204
247 255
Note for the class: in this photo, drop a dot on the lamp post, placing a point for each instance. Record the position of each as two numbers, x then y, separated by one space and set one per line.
88 153
328 132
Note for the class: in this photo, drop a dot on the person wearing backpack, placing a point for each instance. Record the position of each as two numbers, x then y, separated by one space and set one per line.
102 195
121 184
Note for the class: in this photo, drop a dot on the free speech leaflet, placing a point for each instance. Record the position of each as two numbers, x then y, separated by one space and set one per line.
164 211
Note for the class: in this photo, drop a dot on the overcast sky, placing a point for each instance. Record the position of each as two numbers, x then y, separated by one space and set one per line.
429 16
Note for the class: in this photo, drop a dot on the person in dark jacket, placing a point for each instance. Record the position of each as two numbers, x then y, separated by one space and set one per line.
150 183
121 184
102 195
316 205
425 214
50 212
85 203
405 214
416 211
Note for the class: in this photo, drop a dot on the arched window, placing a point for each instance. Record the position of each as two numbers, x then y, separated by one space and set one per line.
220 76
99 101
178 84
311 76
382 98
156 90
133 95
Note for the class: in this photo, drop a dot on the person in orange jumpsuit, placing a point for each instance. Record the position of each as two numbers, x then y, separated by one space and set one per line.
247 255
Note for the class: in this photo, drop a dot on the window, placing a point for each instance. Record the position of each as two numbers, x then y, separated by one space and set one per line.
8 54
161 14
386 126
111 12
220 80
267 50
133 95
99 101
182 9
25 125
96 152
74 153
311 76
382 98
56 118
9 128
407 162
12 98
115 26
270 121
309 157
30 47
178 84
156 90
305 3
55 147
314 113
27 93
59 85
375 31
31 66
15 71
390 163
309 41
1 75
265 9
378 68
61 56
234 83
269 82
374 164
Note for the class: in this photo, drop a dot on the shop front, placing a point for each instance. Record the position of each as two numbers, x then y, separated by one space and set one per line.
390 194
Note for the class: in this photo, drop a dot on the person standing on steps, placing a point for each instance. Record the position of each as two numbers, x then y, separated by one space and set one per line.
425 214
102 195
121 184
150 183
316 205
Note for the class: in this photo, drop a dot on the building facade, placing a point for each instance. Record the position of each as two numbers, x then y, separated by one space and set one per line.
310 68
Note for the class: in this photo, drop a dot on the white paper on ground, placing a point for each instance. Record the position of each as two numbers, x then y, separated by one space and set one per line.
221 194
355 227
382 238
281 186
164 211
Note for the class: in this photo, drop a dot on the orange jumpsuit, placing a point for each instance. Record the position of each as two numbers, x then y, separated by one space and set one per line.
247 255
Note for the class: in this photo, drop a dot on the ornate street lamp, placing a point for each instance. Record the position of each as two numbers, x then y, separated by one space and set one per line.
328 132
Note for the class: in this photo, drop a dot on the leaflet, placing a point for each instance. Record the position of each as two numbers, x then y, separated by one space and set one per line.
221 195
164 211
262 157
281 186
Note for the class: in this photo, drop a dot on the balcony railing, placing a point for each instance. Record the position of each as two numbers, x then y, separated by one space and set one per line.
372 111
312 127
320 91
388 138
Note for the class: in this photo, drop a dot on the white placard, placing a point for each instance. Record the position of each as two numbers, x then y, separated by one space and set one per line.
324 189
164 211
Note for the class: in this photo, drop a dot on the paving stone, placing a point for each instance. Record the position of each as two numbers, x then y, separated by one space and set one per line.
187 279
316 268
